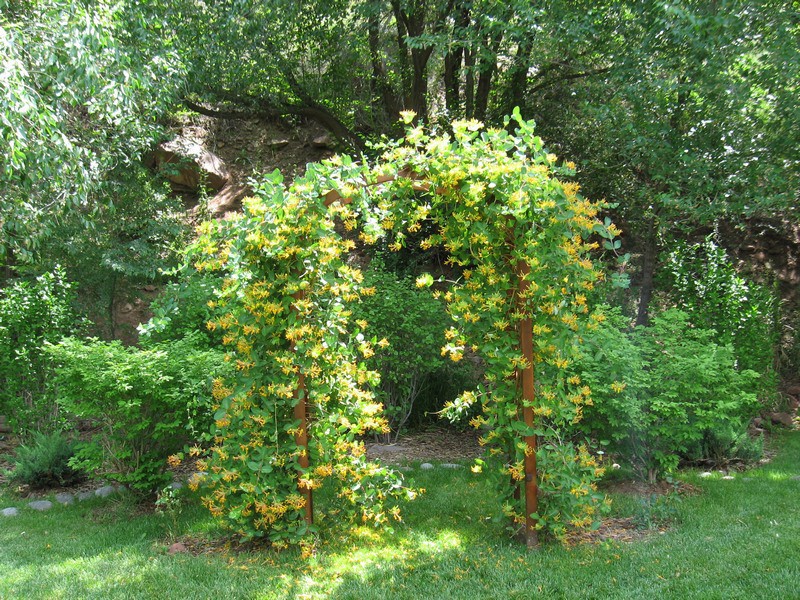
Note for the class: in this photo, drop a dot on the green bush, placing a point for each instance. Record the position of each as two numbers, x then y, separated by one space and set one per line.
32 313
413 324
45 462
659 391
703 282
145 404
183 308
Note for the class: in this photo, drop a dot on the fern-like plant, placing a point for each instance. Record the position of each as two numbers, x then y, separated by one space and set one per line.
45 462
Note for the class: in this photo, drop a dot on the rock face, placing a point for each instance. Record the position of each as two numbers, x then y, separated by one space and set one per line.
189 166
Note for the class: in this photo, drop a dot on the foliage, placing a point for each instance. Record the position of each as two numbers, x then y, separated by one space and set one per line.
32 313
183 308
703 282
85 85
410 325
660 391
45 461
146 404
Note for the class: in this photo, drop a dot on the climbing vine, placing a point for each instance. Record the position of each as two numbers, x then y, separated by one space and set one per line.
518 238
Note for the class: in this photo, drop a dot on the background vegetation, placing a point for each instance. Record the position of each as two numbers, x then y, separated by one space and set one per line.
681 115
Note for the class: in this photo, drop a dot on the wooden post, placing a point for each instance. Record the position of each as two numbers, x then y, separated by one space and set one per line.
301 437
528 396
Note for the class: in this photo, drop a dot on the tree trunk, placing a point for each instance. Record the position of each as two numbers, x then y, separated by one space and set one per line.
486 69
391 104
452 74
649 259
469 84
519 76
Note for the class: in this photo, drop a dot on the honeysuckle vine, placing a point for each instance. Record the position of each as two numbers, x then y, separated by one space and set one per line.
519 240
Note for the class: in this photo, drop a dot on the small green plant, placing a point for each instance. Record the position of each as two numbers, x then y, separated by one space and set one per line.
410 325
656 510
146 404
32 313
169 504
45 462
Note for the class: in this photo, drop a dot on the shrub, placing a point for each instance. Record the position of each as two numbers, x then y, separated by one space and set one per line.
45 462
146 404
183 308
704 283
410 325
659 391
32 313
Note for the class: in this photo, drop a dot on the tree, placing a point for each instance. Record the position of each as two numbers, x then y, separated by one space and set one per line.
692 123
85 88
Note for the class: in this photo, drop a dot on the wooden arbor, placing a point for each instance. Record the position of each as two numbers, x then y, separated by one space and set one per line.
524 376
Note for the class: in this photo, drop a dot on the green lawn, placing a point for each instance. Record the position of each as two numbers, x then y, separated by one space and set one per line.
737 539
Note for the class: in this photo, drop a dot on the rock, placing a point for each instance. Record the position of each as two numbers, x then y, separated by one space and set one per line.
322 141
195 479
426 466
176 485
229 199
177 548
189 166
385 449
793 390
9 512
728 477
450 466
706 474
83 496
105 491
784 419
126 308
41 505
278 144
65 498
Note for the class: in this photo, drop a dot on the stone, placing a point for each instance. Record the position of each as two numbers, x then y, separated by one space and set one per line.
177 548
189 166
450 466
426 466
784 419
105 491
9 512
83 496
40 505
322 141
278 143
65 498
176 485
706 474
195 479
228 199
728 477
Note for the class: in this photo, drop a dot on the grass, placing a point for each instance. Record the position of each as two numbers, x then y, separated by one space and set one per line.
736 539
